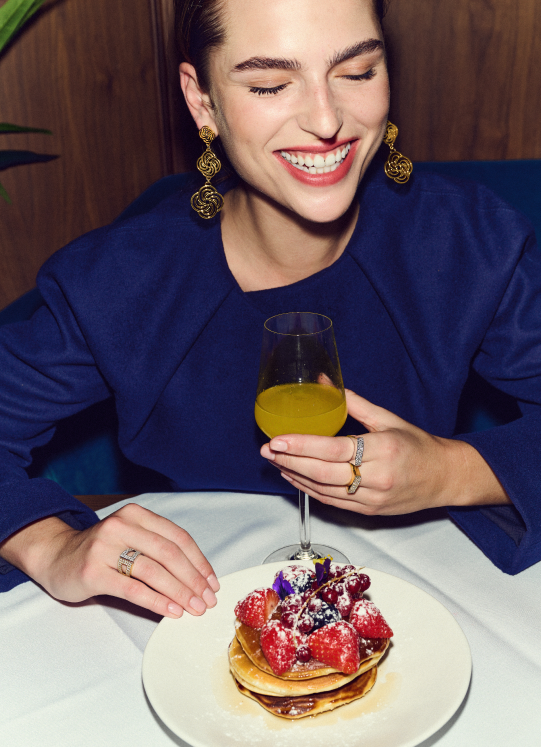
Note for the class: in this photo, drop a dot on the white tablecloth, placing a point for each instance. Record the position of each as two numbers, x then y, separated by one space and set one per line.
70 674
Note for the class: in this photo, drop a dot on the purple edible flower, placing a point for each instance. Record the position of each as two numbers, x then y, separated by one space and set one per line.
322 571
282 587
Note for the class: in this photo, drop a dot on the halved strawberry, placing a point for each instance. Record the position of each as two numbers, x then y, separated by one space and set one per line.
337 646
278 645
368 620
257 607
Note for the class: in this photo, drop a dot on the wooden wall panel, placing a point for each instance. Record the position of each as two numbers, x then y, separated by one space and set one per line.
466 78
185 145
87 71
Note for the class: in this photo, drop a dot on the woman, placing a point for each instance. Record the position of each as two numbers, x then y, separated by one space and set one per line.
165 311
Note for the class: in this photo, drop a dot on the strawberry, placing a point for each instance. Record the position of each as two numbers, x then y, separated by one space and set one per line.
337 646
278 645
256 608
368 620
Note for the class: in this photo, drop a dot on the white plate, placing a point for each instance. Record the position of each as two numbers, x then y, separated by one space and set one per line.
421 681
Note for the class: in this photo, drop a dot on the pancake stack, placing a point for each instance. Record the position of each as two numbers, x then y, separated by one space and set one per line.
297 684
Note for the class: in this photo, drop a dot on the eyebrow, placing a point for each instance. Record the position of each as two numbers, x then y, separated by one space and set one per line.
356 50
267 63
280 63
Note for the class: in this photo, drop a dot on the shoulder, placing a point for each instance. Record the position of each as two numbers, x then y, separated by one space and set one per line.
441 218
439 249
164 235
140 289
143 264
446 192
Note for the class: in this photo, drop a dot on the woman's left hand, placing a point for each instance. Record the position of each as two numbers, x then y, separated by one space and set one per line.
403 469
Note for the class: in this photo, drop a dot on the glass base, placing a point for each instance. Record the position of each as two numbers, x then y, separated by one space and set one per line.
293 552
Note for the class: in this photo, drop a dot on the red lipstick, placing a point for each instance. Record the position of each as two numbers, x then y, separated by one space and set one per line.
320 180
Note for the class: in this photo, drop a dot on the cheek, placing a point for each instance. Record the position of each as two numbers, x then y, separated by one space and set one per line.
244 129
370 108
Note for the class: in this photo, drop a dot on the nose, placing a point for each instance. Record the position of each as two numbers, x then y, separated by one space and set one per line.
320 115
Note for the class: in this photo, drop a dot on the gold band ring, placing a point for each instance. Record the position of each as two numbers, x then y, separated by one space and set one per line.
126 560
355 479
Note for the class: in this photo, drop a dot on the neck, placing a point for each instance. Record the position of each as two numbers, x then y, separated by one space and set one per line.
268 246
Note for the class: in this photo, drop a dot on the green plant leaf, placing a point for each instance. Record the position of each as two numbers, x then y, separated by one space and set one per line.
5 195
5 127
10 158
13 15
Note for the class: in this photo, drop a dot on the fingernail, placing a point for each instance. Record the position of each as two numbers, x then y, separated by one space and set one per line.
197 604
209 597
213 582
286 477
175 609
278 445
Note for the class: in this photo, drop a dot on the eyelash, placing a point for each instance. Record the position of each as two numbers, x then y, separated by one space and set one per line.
272 91
267 91
365 76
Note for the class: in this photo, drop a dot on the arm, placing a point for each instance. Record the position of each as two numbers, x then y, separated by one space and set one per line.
48 372
404 468
172 574
472 473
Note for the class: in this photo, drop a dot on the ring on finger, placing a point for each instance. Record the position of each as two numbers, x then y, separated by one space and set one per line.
126 560
355 479
357 458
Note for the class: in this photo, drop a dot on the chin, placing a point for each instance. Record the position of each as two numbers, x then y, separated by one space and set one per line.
324 209
323 217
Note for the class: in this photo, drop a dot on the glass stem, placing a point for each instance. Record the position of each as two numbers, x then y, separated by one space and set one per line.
305 551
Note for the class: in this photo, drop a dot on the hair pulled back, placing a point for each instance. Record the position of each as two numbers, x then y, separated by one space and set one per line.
199 29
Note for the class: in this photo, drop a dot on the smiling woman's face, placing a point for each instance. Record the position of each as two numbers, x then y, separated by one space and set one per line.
301 94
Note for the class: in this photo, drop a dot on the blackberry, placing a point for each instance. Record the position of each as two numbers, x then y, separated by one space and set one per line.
326 615
302 583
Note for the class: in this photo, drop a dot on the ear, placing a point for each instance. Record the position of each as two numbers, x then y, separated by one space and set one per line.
198 102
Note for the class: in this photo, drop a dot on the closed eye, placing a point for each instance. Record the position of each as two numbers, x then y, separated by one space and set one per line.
365 76
267 91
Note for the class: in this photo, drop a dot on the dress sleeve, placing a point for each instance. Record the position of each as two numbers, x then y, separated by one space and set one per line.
510 359
47 373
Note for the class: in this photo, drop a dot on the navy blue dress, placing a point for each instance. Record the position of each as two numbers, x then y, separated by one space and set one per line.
439 276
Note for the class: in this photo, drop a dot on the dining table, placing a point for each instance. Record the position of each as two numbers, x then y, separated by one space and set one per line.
70 674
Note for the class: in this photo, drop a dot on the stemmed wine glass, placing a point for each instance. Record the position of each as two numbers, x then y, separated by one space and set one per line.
300 390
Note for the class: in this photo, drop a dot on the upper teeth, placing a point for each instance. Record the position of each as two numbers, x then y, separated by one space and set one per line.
317 164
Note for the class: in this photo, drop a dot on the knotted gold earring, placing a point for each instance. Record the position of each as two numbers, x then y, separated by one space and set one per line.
397 167
207 201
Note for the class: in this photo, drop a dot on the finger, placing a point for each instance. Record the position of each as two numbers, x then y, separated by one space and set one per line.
323 473
133 590
336 449
171 531
374 478
172 571
167 569
312 486
373 418
178 590
360 502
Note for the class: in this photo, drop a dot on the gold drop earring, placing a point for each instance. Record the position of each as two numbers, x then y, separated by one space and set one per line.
207 201
397 166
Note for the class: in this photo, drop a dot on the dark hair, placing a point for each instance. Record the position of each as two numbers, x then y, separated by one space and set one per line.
199 29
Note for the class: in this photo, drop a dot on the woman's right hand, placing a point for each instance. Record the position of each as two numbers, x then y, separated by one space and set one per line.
171 575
